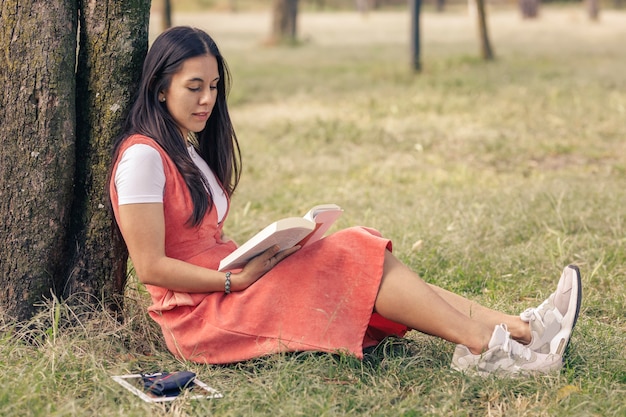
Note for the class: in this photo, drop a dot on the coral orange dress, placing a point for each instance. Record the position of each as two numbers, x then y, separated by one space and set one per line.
319 299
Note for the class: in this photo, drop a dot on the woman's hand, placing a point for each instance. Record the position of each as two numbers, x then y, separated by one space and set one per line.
259 266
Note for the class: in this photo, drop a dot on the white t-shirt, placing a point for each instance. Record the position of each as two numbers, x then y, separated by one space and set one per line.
140 178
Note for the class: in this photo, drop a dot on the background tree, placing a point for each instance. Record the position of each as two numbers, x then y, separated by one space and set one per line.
284 21
486 51
416 60
363 6
529 8
593 9
60 112
166 14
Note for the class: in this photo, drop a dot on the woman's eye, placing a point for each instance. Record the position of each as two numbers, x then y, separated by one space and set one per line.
194 89
213 87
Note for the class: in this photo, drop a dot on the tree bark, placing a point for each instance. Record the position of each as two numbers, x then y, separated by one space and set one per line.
113 43
37 130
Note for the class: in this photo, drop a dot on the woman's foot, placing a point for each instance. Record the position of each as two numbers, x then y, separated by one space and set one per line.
504 356
551 323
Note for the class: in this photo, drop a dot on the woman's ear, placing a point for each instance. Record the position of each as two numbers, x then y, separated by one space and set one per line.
162 97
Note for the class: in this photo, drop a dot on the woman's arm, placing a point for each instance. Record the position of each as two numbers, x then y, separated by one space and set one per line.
143 229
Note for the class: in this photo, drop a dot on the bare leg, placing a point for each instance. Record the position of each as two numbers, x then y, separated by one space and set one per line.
519 329
405 298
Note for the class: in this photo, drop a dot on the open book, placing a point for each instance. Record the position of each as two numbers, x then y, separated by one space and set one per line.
285 233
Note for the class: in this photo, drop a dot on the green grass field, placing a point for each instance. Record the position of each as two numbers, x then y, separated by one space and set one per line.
489 178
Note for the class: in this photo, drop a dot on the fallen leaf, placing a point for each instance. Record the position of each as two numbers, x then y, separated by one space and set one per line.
566 391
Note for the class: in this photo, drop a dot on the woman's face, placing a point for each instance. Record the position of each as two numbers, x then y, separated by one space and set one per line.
192 93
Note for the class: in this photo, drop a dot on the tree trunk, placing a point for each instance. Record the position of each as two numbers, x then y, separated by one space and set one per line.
56 128
593 9
37 130
529 8
166 14
485 45
363 6
109 65
416 60
284 21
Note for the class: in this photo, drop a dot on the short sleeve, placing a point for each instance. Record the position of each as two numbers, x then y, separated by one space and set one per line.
140 177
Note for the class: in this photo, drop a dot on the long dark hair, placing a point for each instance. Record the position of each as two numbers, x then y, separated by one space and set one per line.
218 144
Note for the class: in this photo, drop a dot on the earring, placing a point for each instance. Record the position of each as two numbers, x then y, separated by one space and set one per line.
162 99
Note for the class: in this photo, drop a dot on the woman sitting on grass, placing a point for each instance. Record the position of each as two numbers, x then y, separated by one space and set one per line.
174 170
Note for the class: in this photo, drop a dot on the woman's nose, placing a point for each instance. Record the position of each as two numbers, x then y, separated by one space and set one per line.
207 96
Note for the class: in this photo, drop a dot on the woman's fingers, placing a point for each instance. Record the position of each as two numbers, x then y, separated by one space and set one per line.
260 265
271 257
283 254
274 255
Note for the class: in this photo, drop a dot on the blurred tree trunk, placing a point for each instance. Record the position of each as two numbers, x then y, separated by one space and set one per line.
416 60
593 9
59 117
284 21
529 8
166 14
363 6
485 45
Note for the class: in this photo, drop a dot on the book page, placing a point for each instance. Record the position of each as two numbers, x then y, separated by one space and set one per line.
322 208
324 216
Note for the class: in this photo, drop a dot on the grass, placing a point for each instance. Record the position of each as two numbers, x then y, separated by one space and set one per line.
489 178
